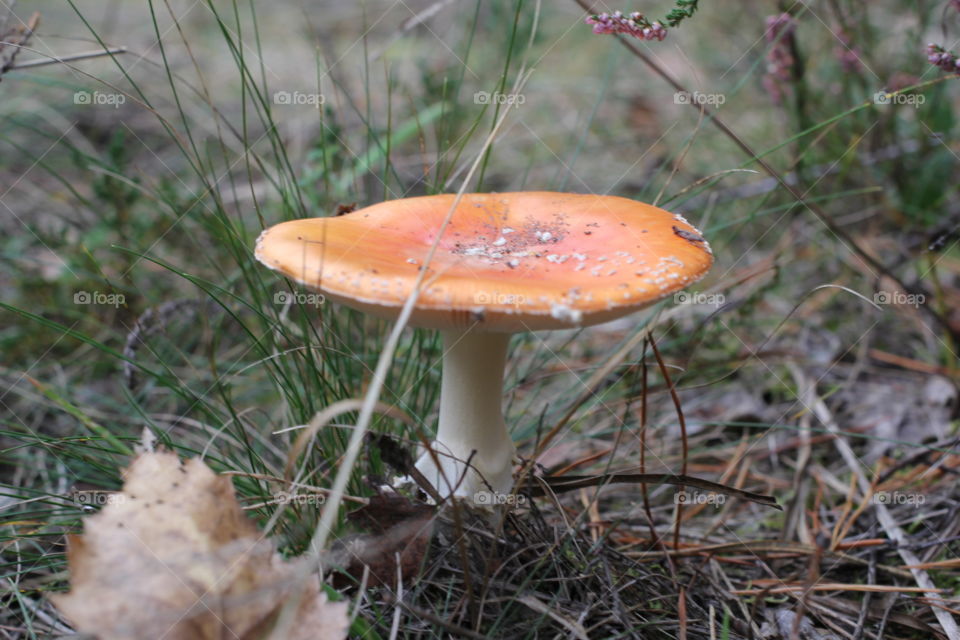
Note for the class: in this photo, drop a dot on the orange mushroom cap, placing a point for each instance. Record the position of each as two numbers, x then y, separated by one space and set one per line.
507 262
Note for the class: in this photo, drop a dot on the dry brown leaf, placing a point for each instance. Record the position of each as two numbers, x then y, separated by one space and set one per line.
386 510
403 532
173 556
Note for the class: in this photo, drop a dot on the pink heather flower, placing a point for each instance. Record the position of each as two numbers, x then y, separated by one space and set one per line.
634 24
779 33
938 56
955 4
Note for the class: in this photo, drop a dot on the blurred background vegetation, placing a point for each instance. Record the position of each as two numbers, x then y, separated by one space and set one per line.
133 186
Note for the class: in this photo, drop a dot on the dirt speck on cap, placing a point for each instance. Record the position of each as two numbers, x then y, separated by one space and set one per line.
689 236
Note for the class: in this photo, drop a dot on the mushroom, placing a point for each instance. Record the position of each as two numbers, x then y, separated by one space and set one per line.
507 262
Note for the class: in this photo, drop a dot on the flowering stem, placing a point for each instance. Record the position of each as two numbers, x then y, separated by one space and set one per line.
940 57
634 24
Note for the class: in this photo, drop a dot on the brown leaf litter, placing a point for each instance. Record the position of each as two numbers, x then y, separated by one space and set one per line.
173 556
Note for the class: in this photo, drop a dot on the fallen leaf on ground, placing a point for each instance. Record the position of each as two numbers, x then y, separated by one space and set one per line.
403 531
173 556
387 510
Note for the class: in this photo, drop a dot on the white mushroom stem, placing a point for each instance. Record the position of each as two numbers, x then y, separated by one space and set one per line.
471 418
